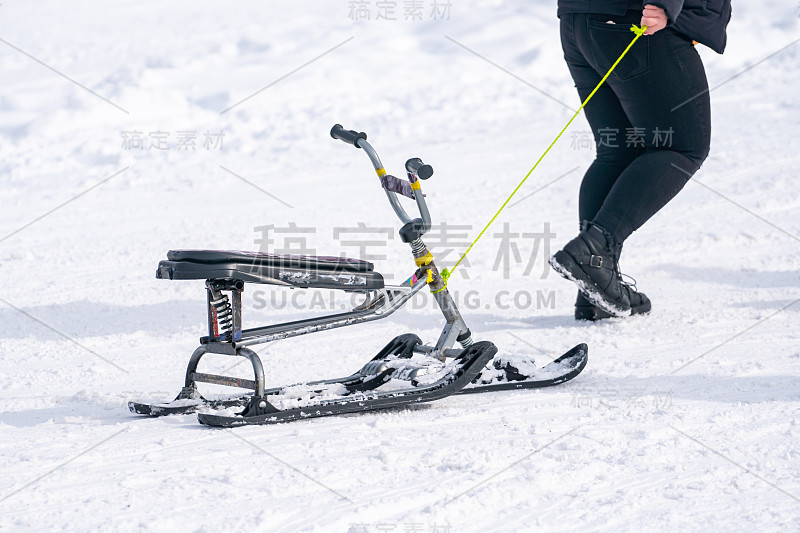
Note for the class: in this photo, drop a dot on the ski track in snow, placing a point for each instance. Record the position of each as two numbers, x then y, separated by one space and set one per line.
637 442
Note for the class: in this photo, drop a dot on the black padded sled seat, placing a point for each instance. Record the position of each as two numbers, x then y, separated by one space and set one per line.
301 271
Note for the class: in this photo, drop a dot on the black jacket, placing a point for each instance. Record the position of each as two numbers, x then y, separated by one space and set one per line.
705 21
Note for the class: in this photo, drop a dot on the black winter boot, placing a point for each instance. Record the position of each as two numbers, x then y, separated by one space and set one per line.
590 261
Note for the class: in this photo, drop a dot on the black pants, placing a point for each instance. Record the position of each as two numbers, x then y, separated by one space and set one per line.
651 120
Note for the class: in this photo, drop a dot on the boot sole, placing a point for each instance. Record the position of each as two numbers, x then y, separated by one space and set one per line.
563 263
593 314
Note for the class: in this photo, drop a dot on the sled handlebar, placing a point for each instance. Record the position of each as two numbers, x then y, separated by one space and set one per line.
348 136
414 166
418 168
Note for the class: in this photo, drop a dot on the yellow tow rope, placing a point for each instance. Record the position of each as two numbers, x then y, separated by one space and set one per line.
447 273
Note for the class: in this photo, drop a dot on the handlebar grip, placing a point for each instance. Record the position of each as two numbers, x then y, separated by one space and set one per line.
348 136
416 166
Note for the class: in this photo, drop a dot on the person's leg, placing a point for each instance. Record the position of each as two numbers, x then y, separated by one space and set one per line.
617 148
607 120
615 151
616 144
669 104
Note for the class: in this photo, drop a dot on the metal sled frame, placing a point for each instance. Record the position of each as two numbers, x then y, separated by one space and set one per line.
378 304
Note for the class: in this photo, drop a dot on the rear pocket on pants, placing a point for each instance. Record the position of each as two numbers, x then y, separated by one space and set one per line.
608 41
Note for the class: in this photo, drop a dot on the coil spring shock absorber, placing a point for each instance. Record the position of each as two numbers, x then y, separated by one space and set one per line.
220 306
417 246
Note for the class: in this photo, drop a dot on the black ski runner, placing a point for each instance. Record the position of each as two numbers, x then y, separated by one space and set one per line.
498 375
185 406
506 376
349 395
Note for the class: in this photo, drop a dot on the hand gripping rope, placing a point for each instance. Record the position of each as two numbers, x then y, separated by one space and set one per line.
447 273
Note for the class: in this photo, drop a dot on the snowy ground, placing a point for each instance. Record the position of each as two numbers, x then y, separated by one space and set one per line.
686 419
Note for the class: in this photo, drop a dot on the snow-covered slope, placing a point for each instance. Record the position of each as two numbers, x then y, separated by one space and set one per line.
686 419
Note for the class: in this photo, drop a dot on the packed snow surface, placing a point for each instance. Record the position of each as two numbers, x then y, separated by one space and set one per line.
129 129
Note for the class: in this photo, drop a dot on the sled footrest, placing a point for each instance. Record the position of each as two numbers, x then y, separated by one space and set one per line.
223 380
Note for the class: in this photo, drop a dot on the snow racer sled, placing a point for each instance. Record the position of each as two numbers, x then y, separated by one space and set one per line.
406 371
